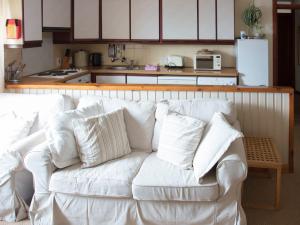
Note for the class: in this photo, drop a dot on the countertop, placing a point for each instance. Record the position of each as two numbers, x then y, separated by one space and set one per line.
225 72
98 71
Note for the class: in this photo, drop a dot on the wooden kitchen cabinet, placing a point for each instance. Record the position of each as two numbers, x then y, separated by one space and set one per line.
145 20
115 20
111 79
179 19
225 19
32 22
86 20
217 81
56 14
140 79
207 19
177 80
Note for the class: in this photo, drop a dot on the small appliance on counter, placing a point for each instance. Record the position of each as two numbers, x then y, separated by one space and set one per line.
174 61
207 60
81 59
95 59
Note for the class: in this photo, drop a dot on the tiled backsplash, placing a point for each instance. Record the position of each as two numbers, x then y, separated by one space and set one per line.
153 54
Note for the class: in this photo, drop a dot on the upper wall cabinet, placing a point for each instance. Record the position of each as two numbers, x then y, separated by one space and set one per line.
179 19
225 19
32 17
86 20
145 20
207 20
56 14
115 20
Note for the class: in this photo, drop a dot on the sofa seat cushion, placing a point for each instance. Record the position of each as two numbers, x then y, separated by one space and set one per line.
111 179
159 180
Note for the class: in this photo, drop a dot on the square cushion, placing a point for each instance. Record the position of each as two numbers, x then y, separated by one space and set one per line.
101 138
202 109
139 119
180 137
60 134
218 137
111 179
158 180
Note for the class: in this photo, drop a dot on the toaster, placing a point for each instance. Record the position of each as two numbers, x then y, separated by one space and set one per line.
174 61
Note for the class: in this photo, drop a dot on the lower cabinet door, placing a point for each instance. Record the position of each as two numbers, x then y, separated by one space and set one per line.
177 80
141 79
217 81
111 79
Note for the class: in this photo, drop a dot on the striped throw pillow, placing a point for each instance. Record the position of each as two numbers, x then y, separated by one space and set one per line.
101 138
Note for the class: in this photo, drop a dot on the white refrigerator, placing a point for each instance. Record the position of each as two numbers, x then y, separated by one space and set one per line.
252 58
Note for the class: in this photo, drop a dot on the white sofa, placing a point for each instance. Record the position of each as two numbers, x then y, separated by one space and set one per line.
16 185
139 188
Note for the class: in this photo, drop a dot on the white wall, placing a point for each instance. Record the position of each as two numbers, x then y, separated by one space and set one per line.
41 58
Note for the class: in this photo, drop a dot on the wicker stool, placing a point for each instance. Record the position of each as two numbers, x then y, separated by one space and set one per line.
261 153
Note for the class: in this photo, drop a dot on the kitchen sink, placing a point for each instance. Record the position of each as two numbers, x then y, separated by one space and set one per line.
124 68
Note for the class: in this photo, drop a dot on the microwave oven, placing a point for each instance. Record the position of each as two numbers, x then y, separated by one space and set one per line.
207 62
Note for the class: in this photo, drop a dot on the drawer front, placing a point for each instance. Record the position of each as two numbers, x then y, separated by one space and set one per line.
104 79
217 81
82 79
177 80
141 80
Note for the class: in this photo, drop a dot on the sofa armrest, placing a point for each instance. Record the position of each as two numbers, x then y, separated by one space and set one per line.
232 168
38 162
25 145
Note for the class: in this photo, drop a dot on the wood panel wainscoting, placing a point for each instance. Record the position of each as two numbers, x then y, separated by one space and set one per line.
262 111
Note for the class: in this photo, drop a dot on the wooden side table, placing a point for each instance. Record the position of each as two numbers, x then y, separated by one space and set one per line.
262 153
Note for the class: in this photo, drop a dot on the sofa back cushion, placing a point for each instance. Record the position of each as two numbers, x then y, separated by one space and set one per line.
60 134
202 109
43 105
139 119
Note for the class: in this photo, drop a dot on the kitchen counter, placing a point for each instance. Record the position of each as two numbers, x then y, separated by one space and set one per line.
106 70
225 72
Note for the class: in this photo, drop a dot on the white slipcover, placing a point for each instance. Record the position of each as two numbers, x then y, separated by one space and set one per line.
159 180
111 179
15 182
53 208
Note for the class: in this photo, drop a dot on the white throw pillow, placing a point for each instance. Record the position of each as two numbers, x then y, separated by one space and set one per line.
218 136
13 128
180 137
101 138
139 119
202 109
60 134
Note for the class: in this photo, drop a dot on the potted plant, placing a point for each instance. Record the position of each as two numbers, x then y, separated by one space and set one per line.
252 18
